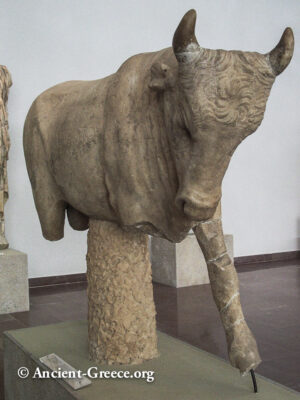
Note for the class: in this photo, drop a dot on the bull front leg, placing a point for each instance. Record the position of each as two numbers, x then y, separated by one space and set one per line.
242 347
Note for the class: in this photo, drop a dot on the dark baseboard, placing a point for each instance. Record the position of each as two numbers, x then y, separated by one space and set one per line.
262 258
57 280
238 261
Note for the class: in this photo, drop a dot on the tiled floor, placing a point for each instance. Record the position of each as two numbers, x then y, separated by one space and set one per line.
271 300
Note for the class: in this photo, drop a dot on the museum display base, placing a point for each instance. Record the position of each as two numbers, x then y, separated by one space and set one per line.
181 372
14 292
181 264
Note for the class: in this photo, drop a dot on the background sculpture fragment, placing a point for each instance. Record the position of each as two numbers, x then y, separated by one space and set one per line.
147 148
5 83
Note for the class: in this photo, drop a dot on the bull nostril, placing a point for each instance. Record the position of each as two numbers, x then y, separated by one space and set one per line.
180 203
195 206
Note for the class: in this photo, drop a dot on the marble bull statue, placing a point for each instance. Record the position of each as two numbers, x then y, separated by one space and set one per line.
148 146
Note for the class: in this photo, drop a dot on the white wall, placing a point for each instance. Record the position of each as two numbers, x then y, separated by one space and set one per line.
48 41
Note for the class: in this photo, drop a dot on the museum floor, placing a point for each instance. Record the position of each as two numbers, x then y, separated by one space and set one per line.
270 294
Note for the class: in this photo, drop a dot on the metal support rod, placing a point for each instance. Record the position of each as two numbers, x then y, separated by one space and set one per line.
253 380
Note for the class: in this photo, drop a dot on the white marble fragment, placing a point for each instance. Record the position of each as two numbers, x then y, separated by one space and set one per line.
55 363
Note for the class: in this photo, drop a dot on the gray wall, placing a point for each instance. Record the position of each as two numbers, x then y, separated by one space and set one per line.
46 42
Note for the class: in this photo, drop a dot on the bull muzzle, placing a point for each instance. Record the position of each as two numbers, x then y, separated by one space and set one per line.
196 205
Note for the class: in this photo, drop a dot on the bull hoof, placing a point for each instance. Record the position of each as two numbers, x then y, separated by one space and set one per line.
243 351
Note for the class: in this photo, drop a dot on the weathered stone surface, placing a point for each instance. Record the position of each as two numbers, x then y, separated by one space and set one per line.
14 292
147 148
122 325
5 84
56 363
181 264
242 347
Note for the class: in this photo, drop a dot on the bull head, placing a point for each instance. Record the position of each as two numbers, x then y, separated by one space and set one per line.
221 99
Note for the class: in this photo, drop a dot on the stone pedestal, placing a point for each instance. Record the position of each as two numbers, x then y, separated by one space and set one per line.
14 292
181 372
122 325
181 264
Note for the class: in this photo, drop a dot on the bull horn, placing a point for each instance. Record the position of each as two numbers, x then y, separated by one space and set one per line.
184 40
281 55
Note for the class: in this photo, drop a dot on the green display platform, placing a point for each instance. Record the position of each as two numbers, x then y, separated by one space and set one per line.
181 372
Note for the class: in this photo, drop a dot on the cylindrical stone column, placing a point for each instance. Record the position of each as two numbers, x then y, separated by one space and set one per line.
121 316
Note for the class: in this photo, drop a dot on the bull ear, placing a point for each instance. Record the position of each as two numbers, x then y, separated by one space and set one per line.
282 54
161 77
184 40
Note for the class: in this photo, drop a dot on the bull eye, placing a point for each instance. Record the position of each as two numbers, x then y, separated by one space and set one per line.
267 74
242 113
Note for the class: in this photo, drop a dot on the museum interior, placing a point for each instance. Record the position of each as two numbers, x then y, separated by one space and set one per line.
149 200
